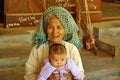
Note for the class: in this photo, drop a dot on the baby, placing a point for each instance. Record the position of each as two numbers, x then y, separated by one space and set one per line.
58 63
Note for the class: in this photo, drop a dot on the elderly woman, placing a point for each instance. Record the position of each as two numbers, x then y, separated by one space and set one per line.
56 26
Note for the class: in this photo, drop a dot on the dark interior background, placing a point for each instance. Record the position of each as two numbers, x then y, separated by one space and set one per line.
1 11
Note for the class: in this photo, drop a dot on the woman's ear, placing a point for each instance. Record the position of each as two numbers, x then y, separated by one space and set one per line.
68 36
45 31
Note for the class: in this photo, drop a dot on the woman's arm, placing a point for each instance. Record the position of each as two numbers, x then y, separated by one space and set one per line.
75 55
46 71
31 66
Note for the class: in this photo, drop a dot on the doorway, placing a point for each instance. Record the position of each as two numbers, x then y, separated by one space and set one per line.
1 11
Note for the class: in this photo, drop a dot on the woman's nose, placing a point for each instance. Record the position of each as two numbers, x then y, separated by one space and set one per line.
54 30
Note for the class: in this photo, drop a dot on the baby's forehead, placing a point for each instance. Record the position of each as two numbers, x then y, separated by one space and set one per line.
57 56
57 49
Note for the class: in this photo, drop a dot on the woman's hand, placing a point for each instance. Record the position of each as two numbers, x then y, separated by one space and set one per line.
54 76
68 75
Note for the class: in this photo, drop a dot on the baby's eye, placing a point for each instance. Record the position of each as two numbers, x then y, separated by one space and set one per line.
56 60
62 59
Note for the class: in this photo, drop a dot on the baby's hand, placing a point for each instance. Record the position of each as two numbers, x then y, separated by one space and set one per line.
55 75
68 75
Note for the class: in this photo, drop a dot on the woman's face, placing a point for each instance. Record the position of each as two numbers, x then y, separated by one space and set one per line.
55 30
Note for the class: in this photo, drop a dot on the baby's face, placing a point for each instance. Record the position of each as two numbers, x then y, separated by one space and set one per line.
58 60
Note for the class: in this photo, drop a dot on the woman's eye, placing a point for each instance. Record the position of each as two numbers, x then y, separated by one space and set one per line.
50 26
59 27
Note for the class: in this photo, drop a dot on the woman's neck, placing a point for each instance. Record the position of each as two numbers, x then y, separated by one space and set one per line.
50 43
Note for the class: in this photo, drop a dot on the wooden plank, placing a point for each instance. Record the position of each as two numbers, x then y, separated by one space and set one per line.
93 5
21 12
21 20
95 16
68 4
23 6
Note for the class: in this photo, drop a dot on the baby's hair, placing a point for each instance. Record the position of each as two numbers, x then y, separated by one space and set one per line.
57 48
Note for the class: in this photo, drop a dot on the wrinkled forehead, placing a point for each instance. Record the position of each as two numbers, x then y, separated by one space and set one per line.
47 18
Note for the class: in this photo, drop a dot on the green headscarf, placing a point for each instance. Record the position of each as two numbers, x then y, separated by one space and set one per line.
67 21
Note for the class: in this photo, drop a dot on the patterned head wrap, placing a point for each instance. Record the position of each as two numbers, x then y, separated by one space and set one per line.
67 21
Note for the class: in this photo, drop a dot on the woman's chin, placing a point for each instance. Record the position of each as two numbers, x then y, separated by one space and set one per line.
56 41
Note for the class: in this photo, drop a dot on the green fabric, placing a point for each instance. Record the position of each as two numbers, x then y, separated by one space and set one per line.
67 21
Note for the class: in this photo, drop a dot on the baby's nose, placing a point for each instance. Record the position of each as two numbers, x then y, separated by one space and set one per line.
59 63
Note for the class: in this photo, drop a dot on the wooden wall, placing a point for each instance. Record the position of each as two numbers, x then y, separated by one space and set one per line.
94 7
19 12
23 6
68 4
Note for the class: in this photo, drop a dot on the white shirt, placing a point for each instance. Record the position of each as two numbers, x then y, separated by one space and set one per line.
37 55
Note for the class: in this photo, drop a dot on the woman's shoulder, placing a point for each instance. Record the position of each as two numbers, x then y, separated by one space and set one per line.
42 49
35 47
69 44
70 47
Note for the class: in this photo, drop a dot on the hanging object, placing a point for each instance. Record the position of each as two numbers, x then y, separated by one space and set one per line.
78 14
87 43
91 36
85 22
78 19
